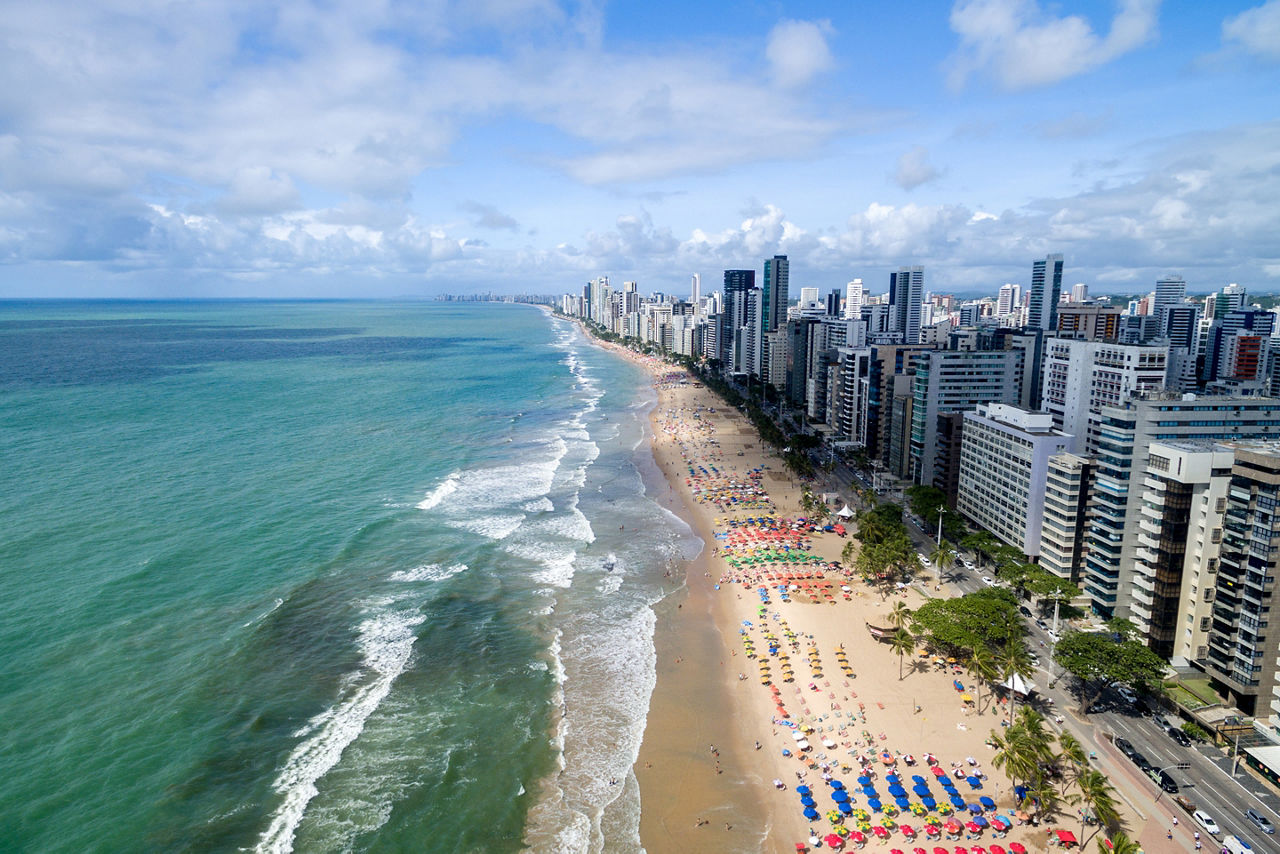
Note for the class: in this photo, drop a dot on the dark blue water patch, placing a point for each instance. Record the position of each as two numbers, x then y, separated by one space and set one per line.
72 352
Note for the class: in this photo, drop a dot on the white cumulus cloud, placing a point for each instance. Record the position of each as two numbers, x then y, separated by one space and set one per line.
1022 47
1257 30
914 169
797 51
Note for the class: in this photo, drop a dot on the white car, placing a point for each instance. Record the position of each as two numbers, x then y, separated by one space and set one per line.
1206 821
988 580
968 564
924 560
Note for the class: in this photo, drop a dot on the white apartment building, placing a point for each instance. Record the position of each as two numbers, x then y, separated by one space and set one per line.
1066 511
1081 377
1004 460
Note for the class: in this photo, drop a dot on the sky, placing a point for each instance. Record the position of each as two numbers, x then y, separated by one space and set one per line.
377 148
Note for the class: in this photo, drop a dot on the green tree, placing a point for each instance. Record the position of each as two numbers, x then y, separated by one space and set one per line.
982 667
1072 759
1120 844
1098 660
899 615
1096 798
902 643
846 554
1014 660
988 617
943 558
983 544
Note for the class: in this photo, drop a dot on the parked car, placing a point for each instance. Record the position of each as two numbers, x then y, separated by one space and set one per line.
987 580
1025 611
1260 821
1206 821
1141 761
1179 736
1125 692
1125 747
924 560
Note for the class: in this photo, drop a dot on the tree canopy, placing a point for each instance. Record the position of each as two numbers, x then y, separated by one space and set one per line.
926 502
987 617
1098 659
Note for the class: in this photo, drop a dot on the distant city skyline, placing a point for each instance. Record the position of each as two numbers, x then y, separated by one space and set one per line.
524 146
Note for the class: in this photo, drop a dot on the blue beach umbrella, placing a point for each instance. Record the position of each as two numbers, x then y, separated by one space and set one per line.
979 821
873 804
957 802
897 791
840 797
808 801
869 791
902 803
864 780
987 803
803 790
892 778
837 785
844 807
976 809
922 791
974 782
916 778
929 803
810 813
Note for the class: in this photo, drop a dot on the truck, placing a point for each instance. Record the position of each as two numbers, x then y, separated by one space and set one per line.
1185 802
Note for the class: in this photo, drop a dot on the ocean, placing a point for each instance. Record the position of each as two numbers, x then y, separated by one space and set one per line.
323 576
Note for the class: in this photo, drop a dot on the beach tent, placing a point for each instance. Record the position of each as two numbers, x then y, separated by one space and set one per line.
1018 685
844 512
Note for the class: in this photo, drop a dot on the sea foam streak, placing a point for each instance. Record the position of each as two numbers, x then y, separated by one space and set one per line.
440 493
386 640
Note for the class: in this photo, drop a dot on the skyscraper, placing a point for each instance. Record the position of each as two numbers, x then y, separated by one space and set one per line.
1079 292
776 281
1170 291
737 284
697 287
906 296
1046 286
853 300
1010 296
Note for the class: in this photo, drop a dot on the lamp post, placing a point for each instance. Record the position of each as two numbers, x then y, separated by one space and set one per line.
942 508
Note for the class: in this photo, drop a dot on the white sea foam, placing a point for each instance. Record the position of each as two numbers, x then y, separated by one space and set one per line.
539 505
428 572
556 560
385 641
440 493
264 614
494 527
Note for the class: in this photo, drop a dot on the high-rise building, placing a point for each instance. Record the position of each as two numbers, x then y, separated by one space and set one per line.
1009 299
734 315
808 295
956 381
1046 285
1124 434
697 287
774 298
1081 377
906 298
1004 463
1090 322
1230 298
1079 292
1066 511
1242 643
1170 291
853 299
1222 349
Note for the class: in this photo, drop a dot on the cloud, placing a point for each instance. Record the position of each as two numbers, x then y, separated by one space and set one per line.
914 169
258 190
1074 125
487 216
797 51
1257 30
1022 47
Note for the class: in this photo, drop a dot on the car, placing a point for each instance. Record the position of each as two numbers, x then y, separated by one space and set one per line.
1260 821
924 560
1053 636
1125 747
1206 821
987 580
1125 692
968 564
1165 780
1042 624
1179 736
1025 611
1141 761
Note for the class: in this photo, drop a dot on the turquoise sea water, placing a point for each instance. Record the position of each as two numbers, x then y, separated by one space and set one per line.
322 577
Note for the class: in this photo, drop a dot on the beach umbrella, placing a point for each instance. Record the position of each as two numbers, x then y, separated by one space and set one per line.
921 790
974 782
892 778
987 802
897 791
873 804
929 803
957 802
845 808
996 849
864 780
803 790
902 803
810 813
833 841
869 791
975 808
880 832
1017 848
837 785
938 772
840 797
857 836
916 778
973 827
979 821
808 801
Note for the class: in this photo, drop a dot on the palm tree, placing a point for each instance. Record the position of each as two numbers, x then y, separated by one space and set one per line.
1014 661
982 667
1120 844
1012 755
943 557
1072 753
901 642
899 615
846 554
1097 797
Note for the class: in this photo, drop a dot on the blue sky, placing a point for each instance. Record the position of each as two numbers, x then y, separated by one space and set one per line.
381 148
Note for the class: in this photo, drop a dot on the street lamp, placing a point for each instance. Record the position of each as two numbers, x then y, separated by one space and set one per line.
941 509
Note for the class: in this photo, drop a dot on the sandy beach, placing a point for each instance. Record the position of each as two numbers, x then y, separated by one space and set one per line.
745 670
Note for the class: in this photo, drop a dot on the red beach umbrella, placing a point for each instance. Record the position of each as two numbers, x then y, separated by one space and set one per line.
1017 848
833 841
